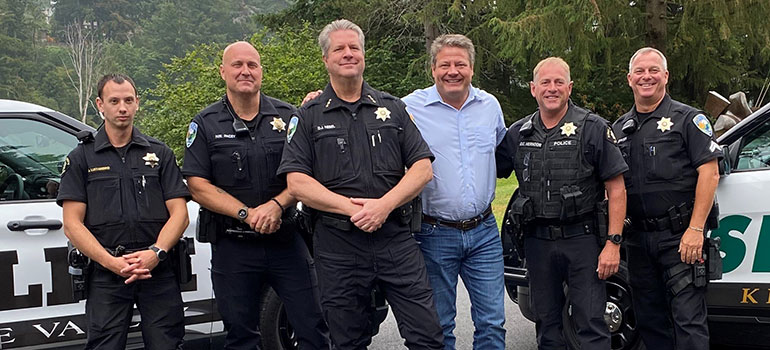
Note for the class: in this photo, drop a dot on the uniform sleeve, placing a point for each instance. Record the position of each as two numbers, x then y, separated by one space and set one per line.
298 150
197 161
413 146
699 137
171 177
505 152
73 178
604 155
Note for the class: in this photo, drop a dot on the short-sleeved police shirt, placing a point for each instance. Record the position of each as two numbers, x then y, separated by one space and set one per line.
243 164
125 195
599 146
663 152
355 154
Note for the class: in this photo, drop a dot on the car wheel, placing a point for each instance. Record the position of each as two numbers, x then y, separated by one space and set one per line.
619 315
277 333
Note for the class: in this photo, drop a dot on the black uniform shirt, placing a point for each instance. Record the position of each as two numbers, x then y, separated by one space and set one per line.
663 153
243 164
355 154
126 195
599 146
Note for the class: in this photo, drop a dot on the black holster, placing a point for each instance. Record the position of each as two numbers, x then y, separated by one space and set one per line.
181 261
79 269
521 214
602 221
207 226
410 214
713 258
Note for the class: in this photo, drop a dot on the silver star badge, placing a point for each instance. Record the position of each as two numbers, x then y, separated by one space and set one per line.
382 113
278 124
665 124
568 129
151 160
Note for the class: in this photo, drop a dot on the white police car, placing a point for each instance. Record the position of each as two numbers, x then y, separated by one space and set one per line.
37 310
739 303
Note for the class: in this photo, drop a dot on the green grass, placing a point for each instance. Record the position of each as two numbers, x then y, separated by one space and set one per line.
503 193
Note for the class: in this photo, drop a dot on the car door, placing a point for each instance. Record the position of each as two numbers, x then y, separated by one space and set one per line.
36 304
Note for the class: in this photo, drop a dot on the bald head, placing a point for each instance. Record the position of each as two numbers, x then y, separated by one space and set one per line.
241 68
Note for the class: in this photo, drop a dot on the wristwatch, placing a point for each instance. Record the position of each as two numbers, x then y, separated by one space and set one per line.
617 239
162 255
243 213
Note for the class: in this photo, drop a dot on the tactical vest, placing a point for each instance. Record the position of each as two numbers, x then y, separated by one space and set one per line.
552 169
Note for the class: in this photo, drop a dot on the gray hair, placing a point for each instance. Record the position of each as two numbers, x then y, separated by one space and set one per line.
452 40
340 24
645 50
555 60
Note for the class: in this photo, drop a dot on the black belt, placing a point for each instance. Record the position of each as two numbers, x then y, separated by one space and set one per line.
463 225
121 250
675 222
554 232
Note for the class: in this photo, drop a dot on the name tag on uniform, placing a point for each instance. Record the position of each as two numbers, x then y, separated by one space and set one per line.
224 136
531 144
564 143
325 127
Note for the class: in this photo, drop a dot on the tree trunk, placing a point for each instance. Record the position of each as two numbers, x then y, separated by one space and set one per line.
656 24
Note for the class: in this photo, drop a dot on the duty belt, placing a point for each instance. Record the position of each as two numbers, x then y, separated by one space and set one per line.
463 225
121 250
677 219
554 232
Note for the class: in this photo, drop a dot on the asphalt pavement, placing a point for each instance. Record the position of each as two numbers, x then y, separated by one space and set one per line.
520 332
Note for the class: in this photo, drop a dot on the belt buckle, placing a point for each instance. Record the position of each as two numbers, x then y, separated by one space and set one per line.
468 224
555 232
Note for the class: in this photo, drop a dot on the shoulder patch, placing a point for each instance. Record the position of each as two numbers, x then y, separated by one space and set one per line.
192 132
65 165
292 127
703 124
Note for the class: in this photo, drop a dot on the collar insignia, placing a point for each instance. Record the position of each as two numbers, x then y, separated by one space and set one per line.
278 124
382 113
371 98
568 129
665 124
151 160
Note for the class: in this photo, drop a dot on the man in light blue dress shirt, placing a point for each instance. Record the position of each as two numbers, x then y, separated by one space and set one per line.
462 125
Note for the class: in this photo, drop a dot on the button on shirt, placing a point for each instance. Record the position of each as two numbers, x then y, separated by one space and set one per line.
463 142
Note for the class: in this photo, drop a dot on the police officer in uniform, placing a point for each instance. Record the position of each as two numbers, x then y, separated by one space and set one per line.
345 157
565 157
234 147
673 176
124 206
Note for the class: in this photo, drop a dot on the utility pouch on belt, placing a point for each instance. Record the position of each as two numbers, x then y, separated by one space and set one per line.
181 261
569 201
521 214
602 221
699 274
415 222
206 228
714 258
79 269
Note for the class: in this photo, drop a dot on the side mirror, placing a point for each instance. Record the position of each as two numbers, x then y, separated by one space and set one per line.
725 166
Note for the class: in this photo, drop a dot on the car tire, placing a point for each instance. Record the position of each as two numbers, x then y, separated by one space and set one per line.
624 332
277 333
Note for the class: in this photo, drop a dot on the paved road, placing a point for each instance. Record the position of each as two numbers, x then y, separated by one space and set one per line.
520 333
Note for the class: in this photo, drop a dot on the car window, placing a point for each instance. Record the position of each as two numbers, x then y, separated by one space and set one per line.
31 156
755 150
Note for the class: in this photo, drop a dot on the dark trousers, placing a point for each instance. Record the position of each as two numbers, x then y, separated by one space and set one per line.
350 263
665 321
551 263
110 305
239 271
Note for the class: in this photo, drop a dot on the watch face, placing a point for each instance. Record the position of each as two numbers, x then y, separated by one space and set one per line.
242 214
162 255
617 239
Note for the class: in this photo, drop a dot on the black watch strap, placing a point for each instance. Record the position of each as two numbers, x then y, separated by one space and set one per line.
162 254
617 239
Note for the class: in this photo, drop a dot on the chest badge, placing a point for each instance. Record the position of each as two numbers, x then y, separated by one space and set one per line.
568 129
665 124
278 124
382 113
151 160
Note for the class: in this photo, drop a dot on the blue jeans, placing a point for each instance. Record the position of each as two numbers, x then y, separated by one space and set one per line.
477 256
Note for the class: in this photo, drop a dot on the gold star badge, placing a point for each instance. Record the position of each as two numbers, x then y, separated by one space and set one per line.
665 124
278 124
151 159
568 129
382 113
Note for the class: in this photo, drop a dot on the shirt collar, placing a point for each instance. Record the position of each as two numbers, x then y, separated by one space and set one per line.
101 141
661 111
434 97
330 101
266 108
